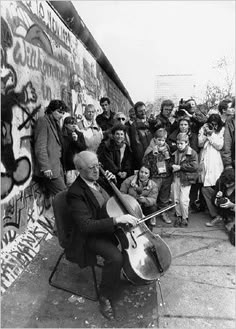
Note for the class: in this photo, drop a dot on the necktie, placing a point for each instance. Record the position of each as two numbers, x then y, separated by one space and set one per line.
97 186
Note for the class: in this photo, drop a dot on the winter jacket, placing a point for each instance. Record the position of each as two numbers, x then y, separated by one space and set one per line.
188 166
149 192
152 158
109 155
224 212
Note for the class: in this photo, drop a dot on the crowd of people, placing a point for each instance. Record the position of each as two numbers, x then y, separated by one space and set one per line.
183 155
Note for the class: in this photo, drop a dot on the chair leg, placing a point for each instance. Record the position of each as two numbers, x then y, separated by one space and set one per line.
50 280
95 281
55 268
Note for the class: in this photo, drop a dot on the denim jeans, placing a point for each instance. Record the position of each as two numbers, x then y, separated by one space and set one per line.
164 186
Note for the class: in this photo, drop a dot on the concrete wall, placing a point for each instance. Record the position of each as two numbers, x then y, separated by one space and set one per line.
41 59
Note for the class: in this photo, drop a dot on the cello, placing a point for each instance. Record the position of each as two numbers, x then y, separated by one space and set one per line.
146 256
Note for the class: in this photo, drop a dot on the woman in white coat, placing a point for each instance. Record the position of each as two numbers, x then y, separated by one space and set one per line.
211 141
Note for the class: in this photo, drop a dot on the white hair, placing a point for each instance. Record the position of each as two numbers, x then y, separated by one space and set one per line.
80 159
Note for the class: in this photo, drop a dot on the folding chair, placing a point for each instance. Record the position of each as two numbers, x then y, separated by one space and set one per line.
64 226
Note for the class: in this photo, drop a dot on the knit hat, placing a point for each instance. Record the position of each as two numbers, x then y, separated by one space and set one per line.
160 133
183 137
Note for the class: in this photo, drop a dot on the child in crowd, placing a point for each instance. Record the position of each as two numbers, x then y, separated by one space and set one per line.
144 190
185 170
157 157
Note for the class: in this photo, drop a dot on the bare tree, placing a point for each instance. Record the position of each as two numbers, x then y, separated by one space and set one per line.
155 107
223 65
215 93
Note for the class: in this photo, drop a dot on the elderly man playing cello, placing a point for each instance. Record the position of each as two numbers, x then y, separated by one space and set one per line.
93 232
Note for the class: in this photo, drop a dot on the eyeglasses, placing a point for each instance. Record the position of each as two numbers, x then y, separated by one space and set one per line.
121 119
95 166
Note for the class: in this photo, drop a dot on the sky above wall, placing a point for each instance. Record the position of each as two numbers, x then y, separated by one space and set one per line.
143 39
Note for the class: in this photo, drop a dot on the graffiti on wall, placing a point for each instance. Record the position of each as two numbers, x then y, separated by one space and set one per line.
17 168
41 60
17 250
23 210
14 261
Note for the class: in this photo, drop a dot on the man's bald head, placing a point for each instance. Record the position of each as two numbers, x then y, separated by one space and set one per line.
89 112
86 162
84 159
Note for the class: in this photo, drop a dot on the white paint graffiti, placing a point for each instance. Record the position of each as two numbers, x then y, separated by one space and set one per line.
21 252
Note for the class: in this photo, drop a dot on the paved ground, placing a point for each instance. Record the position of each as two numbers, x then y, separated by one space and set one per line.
198 289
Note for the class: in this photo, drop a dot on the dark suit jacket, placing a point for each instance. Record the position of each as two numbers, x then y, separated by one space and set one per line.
87 220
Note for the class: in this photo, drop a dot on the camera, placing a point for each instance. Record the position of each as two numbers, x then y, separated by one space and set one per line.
220 201
210 126
183 106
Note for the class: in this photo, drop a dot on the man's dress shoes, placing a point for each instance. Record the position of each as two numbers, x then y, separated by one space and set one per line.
106 308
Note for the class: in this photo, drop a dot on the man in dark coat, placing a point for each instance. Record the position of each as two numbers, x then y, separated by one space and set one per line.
163 119
228 151
92 232
140 135
48 148
105 120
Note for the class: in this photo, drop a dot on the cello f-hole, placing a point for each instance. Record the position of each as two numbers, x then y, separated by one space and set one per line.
135 243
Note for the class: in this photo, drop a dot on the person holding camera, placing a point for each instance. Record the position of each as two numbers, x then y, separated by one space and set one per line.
211 141
221 202
196 113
